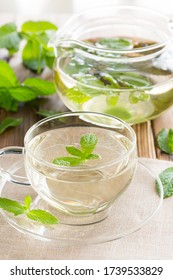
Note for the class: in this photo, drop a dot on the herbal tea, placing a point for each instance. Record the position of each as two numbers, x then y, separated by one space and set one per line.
134 92
89 187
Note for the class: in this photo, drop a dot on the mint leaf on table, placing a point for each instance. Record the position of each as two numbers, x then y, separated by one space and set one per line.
7 76
41 216
166 178
22 93
88 143
36 54
37 26
42 87
12 92
47 113
9 37
16 208
9 122
11 206
7 102
32 56
165 140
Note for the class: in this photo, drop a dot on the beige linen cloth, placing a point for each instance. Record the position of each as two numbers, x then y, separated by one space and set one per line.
153 241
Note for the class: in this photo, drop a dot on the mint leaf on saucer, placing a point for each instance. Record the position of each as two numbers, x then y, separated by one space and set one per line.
166 178
16 208
41 216
27 202
11 206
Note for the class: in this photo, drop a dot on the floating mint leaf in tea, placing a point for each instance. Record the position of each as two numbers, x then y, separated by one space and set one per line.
88 143
166 177
114 43
16 208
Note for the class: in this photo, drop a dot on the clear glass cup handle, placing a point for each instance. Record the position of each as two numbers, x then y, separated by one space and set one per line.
7 175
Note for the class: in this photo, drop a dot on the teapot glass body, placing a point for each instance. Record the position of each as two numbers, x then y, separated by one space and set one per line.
116 60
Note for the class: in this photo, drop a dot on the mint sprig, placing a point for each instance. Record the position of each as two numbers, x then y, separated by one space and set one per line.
36 54
12 92
9 37
17 209
88 143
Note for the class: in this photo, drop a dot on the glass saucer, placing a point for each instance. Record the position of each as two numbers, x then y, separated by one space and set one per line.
129 213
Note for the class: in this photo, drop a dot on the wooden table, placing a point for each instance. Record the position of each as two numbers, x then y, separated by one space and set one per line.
146 132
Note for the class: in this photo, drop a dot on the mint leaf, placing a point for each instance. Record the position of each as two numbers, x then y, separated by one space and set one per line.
93 156
68 161
42 87
37 26
119 112
9 37
170 141
7 102
9 122
11 206
42 216
27 202
166 178
47 113
88 143
22 93
132 80
112 99
7 76
165 140
32 56
74 151
136 96
76 95
109 80
115 43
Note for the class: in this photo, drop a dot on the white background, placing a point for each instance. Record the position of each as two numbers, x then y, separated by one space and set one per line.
38 7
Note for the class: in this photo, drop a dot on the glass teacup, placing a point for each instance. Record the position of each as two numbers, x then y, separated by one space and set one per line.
86 189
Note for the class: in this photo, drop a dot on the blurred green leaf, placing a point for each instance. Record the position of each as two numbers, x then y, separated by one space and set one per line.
9 122
7 76
37 26
9 37
42 87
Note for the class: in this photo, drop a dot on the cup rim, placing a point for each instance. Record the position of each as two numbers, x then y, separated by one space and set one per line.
82 167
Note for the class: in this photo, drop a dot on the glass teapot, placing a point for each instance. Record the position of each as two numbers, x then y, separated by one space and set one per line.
116 60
